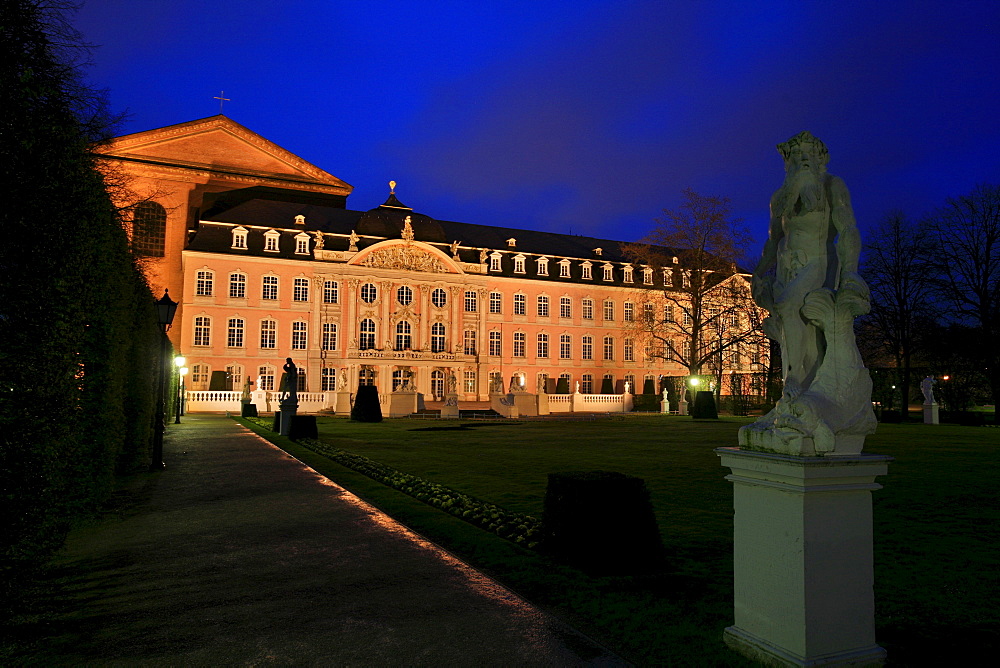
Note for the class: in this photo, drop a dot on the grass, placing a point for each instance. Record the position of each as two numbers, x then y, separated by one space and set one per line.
936 525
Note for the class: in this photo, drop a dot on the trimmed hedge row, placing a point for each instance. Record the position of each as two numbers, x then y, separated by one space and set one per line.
516 527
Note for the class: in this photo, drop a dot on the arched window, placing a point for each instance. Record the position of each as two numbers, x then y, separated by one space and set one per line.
367 331
149 229
437 337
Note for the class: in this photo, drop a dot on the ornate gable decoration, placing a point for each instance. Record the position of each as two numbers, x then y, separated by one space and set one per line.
407 258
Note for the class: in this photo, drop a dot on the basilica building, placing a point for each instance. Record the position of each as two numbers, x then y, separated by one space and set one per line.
267 262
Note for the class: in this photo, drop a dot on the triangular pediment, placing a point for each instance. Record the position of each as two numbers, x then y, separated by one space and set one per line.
219 144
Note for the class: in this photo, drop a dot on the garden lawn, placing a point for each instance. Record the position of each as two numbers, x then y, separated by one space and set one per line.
936 525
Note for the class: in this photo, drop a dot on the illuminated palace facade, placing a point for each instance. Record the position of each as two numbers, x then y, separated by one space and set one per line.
267 262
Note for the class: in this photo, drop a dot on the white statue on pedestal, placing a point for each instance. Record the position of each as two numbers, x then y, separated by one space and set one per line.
927 387
813 296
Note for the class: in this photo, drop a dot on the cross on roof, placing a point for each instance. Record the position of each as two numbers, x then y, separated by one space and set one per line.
221 99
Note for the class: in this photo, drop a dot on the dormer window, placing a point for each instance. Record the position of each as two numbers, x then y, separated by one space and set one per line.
239 237
675 260
302 244
495 262
668 277
598 251
563 268
543 266
271 241
518 264
512 242
609 272
627 274
647 276
300 219
585 271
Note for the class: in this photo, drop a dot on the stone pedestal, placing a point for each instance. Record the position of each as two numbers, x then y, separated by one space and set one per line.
343 406
288 412
802 548
931 414
664 406
450 408
402 403
525 404
682 407
542 403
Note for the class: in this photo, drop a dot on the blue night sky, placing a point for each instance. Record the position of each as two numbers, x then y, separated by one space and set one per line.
586 117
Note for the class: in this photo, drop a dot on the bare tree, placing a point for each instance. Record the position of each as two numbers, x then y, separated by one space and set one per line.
704 316
966 262
896 270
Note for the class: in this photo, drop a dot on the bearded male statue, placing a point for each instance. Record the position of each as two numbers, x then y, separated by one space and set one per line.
808 281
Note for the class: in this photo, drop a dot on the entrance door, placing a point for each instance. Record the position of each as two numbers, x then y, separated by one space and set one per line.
437 385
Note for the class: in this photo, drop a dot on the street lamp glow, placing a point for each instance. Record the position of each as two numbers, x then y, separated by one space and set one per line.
180 361
183 371
694 382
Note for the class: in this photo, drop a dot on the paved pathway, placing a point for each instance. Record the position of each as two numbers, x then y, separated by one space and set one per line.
238 554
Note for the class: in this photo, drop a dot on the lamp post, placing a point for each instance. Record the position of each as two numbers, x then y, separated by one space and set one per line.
165 309
179 362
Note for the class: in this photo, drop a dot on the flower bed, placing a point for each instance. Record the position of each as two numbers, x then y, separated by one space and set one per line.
516 527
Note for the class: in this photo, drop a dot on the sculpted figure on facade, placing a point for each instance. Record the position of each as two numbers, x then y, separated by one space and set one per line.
808 281
353 241
318 236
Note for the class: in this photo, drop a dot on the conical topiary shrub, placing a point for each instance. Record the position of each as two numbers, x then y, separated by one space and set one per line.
649 386
607 386
704 406
562 386
366 406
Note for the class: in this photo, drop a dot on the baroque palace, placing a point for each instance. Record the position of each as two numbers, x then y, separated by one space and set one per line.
267 262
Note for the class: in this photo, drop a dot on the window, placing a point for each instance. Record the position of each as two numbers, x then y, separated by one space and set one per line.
520 341
495 380
668 313
301 380
203 284
202 331
299 335
265 378
495 262
404 295
149 229
234 374
627 274
563 268
271 241
543 345
328 381
302 244
268 333
496 302
647 276
628 351
565 307
609 272
543 266
471 303
237 286
685 279
398 377
668 277
609 309
647 312
520 304
585 271
588 309
687 319
269 287
404 338
609 347
330 292
369 293
329 336
300 290
543 306
565 346
628 311
199 376
439 297
518 264
469 381
587 348
495 345
567 378
234 335
239 237
366 330
469 342
437 337
366 376
587 384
